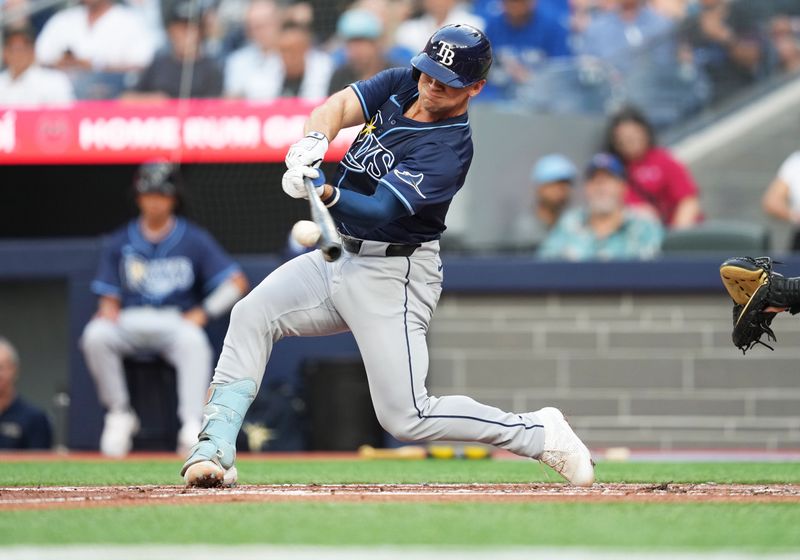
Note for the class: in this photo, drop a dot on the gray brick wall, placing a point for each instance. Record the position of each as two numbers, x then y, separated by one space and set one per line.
647 371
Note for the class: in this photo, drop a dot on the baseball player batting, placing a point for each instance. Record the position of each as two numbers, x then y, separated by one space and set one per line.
389 198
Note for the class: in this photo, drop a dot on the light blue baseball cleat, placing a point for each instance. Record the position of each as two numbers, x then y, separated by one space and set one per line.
211 459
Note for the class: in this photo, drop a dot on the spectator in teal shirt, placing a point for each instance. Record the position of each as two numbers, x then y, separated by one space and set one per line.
604 229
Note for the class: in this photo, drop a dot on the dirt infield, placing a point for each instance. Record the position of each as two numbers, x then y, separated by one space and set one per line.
14 498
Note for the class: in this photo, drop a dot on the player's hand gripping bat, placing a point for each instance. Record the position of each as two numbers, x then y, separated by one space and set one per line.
329 242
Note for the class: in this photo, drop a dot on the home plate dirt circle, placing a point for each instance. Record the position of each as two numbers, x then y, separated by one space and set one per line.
95 496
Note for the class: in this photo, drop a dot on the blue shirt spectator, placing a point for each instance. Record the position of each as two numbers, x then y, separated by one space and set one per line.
487 9
604 229
525 34
616 36
528 31
22 425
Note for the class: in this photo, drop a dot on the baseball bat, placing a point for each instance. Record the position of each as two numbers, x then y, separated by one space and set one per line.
329 242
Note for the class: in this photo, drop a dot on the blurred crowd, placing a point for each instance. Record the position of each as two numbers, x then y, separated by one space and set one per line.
667 58
670 57
623 201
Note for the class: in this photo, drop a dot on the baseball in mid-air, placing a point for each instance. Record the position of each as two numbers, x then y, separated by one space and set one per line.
306 233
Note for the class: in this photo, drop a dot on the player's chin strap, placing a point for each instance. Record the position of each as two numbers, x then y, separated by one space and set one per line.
222 419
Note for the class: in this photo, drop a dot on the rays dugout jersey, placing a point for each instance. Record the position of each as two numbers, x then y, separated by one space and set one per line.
423 164
178 271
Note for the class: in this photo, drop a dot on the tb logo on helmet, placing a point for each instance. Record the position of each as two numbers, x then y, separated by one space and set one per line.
446 53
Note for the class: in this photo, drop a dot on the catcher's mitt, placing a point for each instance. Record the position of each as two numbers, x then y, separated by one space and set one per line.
754 287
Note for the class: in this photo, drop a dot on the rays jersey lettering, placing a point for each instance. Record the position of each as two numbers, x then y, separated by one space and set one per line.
368 155
156 278
423 164
177 271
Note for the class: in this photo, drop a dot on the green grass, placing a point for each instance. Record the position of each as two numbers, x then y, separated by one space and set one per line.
82 473
612 525
657 526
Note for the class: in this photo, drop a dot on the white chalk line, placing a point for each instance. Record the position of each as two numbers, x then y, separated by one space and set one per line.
262 552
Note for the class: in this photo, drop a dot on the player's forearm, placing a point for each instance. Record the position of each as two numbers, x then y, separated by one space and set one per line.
327 119
687 214
224 296
108 307
341 110
361 210
775 201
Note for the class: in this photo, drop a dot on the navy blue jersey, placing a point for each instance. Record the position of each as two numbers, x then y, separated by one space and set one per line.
23 426
423 164
179 271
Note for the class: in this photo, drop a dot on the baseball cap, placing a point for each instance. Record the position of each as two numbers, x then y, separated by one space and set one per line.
359 24
552 168
605 162
187 10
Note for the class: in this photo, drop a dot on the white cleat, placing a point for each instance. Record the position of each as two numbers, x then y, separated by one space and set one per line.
563 451
209 474
119 428
187 437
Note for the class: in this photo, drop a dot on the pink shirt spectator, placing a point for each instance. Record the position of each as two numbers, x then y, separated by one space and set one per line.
657 182
660 181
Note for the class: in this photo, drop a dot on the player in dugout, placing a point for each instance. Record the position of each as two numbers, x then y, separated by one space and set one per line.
389 198
160 280
22 425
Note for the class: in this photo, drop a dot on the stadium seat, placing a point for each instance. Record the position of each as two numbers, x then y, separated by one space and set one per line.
735 238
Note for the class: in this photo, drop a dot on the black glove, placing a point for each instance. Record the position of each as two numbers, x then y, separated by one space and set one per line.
754 288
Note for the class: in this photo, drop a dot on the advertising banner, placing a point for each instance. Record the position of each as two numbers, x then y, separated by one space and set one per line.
189 131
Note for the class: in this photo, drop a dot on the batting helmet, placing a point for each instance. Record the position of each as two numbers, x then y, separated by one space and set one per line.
160 177
457 56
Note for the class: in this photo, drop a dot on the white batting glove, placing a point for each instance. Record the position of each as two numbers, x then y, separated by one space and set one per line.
293 181
308 151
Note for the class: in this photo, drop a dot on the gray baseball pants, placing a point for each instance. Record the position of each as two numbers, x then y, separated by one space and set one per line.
387 303
146 330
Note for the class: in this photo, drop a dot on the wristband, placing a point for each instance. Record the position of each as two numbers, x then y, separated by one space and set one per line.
317 136
333 199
